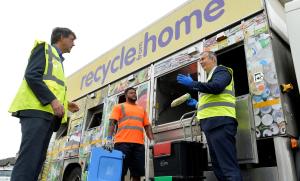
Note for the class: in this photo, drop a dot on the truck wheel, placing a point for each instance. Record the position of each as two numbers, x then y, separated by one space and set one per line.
74 175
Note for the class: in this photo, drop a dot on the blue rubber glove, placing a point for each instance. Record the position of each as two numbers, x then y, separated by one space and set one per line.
192 102
185 80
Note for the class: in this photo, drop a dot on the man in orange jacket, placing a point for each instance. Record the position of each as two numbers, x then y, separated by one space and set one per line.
131 121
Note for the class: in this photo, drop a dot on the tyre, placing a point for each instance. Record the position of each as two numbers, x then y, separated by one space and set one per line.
74 175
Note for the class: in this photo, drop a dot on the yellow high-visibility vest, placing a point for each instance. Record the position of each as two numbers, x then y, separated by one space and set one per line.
223 104
53 77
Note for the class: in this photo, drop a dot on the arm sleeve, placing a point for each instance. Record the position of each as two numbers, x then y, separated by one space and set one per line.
34 76
116 113
220 79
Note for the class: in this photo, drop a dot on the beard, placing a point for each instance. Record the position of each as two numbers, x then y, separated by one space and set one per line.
132 99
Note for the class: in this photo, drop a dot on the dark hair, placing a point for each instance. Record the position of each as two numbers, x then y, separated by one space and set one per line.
128 89
59 32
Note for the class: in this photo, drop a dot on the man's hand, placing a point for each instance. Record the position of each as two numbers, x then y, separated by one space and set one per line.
151 144
192 102
185 80
58 108
109 144
73 107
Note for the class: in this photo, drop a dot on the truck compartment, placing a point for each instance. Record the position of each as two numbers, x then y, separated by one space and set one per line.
234 57
167 90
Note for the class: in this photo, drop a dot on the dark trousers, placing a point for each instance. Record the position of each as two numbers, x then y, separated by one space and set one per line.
221 143
134 159
36 135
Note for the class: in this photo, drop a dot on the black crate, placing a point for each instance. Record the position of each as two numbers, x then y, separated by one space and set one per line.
186 159
182 178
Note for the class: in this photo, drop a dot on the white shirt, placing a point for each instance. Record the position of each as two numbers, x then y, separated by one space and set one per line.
211 72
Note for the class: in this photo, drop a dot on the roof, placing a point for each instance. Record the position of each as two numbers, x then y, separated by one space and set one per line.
8 161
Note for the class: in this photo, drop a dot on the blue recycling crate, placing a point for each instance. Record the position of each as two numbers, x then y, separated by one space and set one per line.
105 165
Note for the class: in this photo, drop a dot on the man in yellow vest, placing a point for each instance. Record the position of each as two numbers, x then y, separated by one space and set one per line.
41 102
217 116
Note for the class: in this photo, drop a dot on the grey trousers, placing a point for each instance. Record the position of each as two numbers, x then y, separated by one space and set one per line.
36 135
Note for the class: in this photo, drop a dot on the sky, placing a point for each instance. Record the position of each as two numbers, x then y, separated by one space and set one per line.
98 25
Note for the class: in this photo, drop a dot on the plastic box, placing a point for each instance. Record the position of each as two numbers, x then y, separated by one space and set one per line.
105 165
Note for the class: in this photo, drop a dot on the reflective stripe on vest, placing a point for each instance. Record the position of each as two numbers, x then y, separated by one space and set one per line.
48 75
223 104
231 92
125 118
214 104
131 127
130 117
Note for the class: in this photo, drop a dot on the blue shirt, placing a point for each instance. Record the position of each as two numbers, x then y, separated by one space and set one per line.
216 85
59 53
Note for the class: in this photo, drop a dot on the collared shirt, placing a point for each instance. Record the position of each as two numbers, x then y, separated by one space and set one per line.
59 53
211 72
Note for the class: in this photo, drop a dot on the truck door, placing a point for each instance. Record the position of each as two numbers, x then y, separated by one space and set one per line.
234 57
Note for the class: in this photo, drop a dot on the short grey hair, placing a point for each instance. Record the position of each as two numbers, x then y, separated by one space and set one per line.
212 55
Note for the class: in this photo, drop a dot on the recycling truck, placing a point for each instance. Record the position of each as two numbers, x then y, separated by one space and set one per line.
250 37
